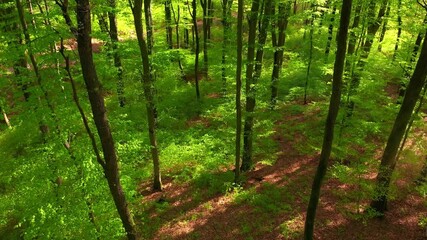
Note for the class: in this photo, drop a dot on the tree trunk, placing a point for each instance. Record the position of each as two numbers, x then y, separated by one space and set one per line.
168 19
176 18
399 27
226 25
353 37
388 160
282 24
93 86
9 25
238 90
251 94
373 26
310 54
384 28
330 33
196 40
149 25
186 38
247 132
330 120
205 6
148 92
210 17
114 36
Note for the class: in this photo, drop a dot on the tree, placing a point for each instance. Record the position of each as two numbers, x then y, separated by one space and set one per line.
372 28
238 89
206 4
93 87
278 43
148 92
250 99
330 32
113 32
330 120
226 25
388 160
196 33
168 19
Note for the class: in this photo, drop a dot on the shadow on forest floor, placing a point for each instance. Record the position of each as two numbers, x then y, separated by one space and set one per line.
272 202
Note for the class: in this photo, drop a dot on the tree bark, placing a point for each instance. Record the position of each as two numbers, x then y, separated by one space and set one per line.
168 19
226 25
205 7
310 54
247 131
373 26
330 33
148 92
282 24
399 27
384 27
238 90
196 40
247 162
388 160
330 120
93 86
114 36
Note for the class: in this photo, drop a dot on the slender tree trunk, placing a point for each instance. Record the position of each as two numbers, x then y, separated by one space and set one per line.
149 26
282 24
238 90
205 6
67 144
93 86
330 33
353 36
43 127
247 131
251 95
196 40
176 17
373 26
322 15
399 27
102 22
388 160
210 17
168 18
114 36
330 120
384 27
310 55
226 25
148 92
186 38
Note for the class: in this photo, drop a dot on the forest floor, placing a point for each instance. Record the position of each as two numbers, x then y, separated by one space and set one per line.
272 202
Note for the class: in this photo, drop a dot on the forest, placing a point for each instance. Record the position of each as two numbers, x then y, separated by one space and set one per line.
213 119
